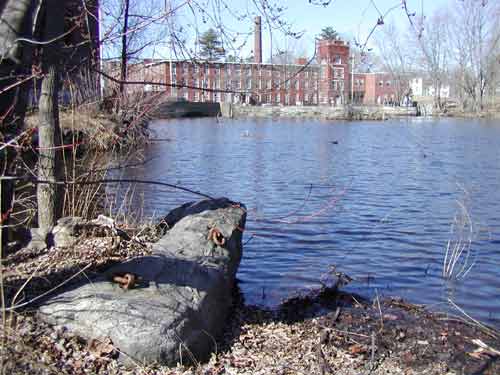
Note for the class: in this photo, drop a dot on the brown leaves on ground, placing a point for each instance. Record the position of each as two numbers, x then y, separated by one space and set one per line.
102 348
306 336
45 269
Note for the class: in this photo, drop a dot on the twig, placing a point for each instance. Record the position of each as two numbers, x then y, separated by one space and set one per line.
12 308
477 322
372 357
380 312
106 181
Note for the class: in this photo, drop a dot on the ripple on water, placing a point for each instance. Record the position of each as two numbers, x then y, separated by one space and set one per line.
378 205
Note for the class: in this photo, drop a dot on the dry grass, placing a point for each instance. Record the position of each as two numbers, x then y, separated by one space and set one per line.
458 259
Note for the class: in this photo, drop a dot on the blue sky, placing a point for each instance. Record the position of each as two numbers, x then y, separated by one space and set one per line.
351 18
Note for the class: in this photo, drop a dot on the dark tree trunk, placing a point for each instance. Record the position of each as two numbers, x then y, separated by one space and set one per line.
123 76
49 164
15 21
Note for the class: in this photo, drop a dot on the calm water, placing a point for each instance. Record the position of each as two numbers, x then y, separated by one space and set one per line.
375 199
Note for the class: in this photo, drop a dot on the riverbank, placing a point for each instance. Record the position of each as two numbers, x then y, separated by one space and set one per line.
94 130
322 112
324 332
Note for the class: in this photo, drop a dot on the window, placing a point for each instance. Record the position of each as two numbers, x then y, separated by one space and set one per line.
338 72
174 73
338 85
388 83
337 60
381 83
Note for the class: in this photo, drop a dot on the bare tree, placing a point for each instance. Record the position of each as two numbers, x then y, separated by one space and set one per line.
475 37
398 58
124 54
435 53
15 23
49 163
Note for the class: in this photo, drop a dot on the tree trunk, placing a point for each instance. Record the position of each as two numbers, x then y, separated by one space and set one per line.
15 21
49 164
123 76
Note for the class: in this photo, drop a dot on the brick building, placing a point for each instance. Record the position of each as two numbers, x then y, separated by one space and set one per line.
255 83
327 81
377 88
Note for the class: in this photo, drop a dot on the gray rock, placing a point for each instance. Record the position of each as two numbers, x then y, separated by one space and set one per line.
37 240
69 229
182 298
65 233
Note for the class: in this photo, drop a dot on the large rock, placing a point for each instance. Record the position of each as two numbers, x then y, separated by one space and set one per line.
182 297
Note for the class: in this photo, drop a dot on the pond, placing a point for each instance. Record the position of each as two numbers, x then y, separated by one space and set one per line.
377 200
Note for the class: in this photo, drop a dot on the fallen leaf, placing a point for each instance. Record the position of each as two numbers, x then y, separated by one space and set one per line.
102 348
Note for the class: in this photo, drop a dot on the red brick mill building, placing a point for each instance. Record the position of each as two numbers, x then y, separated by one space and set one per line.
326 81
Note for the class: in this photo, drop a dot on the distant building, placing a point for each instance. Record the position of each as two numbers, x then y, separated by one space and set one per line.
377 88
326 82
421 87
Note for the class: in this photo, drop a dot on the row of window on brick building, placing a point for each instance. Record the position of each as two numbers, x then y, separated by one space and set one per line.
267 78
265 83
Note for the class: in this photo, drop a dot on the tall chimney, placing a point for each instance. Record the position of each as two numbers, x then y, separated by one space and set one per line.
257 47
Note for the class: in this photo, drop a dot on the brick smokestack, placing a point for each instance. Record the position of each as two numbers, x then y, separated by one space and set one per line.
257 47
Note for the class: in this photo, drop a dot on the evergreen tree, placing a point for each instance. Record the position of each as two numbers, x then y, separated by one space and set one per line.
211 46
329 33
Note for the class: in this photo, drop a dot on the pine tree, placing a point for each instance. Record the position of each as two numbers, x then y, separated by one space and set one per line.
329 33
211 46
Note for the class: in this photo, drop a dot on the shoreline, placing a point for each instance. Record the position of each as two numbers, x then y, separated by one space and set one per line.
346 112
322 332
186 109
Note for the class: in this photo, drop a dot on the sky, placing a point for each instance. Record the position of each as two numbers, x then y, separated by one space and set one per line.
351 18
